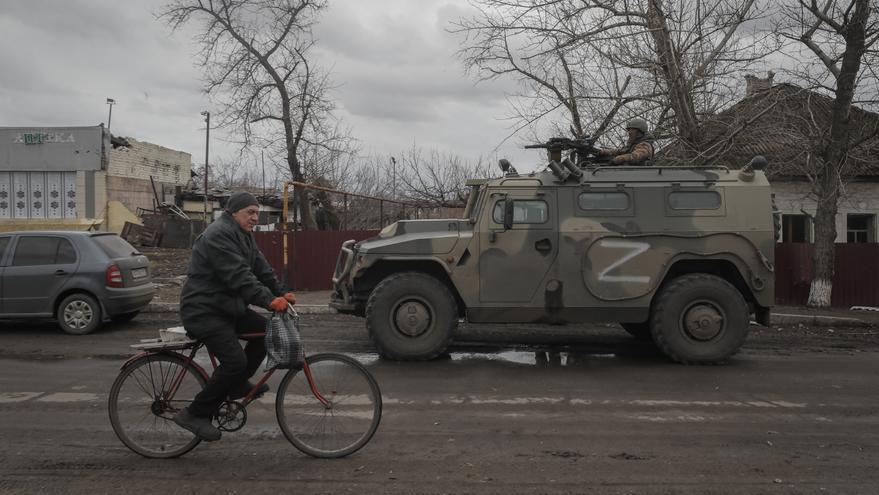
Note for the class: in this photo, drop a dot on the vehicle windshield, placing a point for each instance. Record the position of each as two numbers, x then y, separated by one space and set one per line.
115 246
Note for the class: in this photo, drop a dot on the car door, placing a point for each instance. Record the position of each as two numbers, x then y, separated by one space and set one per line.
513 262
38 269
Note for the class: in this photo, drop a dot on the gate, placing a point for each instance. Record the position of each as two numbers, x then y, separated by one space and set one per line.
855 279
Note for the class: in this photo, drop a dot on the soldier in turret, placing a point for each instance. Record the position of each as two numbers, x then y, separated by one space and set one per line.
638 150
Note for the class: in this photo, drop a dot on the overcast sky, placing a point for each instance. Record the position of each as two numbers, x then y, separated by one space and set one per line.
399 82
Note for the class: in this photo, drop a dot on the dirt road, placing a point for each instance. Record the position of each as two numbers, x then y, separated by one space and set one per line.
795 412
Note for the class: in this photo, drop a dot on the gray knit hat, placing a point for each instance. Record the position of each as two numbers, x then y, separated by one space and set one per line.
240 200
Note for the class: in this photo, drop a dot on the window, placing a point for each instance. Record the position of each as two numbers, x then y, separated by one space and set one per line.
4 241
860 228
114 246
603 201
796 228
524 211
32 251
694 200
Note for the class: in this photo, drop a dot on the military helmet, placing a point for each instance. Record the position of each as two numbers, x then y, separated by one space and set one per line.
639 124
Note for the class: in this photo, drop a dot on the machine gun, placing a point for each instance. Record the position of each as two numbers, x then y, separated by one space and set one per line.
583 150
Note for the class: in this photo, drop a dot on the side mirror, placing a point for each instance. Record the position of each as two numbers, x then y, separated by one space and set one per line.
504 164
508 214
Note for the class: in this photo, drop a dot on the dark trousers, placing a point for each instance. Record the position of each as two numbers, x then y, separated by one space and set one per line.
220 336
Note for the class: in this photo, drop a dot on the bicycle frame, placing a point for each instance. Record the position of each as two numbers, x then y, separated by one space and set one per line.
189 358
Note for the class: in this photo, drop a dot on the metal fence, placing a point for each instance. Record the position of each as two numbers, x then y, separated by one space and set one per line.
312 259
855 279
311 256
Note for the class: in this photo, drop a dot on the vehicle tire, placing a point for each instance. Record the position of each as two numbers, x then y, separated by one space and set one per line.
411 316
640 331
79 314
124 317
700 319
348 420
141 413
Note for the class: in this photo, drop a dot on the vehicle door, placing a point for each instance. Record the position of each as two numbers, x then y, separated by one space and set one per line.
39 267
514 261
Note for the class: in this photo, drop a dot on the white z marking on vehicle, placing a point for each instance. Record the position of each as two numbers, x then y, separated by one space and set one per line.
634 248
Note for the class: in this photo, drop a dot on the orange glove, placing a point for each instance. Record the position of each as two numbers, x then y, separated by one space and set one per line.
278 305
290 297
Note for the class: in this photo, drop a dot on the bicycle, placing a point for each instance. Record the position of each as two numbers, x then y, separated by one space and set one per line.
330 408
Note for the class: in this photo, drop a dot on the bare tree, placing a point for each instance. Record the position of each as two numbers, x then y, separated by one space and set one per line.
840 36
256 60
601 60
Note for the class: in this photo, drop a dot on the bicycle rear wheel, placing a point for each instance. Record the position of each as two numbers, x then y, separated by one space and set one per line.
141 411
346 423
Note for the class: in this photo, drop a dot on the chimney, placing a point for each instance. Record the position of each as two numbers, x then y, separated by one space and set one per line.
756 84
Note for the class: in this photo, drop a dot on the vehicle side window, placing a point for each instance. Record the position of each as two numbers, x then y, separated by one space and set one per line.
524 211
4 242
34 250
694 200
66 253
603 201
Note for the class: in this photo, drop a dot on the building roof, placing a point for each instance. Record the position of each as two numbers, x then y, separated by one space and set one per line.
782 123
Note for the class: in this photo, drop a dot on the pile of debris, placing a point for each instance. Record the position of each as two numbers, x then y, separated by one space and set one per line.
167 227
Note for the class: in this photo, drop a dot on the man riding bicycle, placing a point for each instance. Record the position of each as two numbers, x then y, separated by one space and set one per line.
227 272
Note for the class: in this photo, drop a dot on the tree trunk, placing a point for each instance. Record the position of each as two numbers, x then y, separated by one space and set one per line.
835 154
679 95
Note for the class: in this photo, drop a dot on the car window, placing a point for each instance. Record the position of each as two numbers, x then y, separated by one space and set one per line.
603 201
524 211
34 250
694 200
66 253
4 241
114 246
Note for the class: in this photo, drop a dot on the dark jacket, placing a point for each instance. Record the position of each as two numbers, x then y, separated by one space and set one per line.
226 273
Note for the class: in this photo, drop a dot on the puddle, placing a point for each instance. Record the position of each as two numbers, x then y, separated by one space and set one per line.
533 358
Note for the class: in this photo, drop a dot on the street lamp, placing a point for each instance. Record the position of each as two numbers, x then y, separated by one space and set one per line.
110 101
207 141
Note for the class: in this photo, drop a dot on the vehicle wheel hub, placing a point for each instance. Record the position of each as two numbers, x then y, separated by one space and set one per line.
77 314
412 318
703 322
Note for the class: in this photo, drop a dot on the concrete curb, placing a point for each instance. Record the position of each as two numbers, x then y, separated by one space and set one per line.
162 307
784 319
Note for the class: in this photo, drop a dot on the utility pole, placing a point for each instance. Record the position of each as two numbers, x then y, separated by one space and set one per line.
110 101
207 144
394 177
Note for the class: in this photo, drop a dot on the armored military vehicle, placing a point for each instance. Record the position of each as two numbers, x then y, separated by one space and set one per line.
682 255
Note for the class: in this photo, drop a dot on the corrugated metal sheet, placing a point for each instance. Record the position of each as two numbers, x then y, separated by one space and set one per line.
312 255
855 280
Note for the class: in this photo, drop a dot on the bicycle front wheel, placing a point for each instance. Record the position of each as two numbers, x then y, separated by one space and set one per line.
350 416
145 397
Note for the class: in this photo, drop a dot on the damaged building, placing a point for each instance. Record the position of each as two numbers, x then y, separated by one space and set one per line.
79 178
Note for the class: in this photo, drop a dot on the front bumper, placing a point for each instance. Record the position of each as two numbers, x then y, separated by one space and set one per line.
341 298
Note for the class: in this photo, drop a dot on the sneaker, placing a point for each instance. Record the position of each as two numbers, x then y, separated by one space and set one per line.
242 390
202 427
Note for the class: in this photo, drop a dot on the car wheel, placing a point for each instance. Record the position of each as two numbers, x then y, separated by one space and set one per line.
640 331
79 314
700 319
124 317
411 316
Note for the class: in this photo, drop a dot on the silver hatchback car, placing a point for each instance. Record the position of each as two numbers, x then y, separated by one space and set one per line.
79 278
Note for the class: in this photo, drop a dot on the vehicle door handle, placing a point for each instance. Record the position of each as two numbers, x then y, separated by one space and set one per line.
543 246
60 272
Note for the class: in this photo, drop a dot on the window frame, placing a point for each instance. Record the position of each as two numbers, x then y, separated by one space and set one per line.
629 211
869 232
11 255
720 211
500 203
